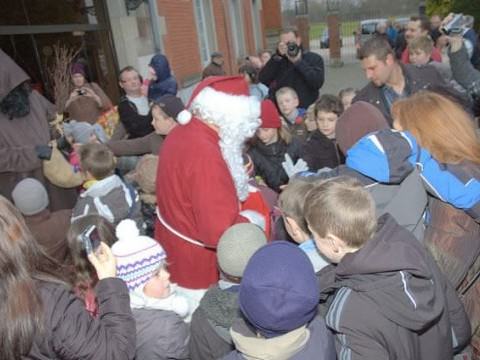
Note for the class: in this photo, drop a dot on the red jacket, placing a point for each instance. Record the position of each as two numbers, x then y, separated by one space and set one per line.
196 196
436 56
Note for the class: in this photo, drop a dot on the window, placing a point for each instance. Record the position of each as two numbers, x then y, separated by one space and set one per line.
205 29
257 28
236 20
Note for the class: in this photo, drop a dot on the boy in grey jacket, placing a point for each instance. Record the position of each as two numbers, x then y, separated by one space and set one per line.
105 193
386 297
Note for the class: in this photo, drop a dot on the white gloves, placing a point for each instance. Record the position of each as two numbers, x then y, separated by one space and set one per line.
254 217
292 169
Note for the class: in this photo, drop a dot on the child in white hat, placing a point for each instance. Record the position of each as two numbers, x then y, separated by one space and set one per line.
157 308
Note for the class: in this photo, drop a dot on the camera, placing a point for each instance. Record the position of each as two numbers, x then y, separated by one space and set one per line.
81 92
292 49
454 26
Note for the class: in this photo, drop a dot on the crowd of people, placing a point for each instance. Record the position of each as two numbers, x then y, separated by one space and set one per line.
260 220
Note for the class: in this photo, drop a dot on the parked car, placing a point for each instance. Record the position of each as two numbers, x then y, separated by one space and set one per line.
368 28
325 40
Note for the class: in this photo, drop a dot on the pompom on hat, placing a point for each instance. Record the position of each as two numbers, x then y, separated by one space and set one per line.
138 257
269 115
226 85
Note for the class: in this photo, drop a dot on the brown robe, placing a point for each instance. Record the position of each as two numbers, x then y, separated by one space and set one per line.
19 136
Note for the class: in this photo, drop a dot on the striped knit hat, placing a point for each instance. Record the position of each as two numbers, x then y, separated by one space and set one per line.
138 257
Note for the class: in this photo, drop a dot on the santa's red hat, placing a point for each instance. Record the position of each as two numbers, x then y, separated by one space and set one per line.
217 88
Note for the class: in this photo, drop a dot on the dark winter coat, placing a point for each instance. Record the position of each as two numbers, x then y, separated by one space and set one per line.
135 125
464 73
416 79
391 301
320 151
71 333
306 77
267 161
111 198
50 230
318 346
161 335
165 83
210 337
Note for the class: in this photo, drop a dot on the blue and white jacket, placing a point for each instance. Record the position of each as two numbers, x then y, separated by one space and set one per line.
387 155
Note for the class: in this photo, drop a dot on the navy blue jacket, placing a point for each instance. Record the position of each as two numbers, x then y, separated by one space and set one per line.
165 83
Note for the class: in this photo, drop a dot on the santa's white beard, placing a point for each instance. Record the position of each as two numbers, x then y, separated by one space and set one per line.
232 151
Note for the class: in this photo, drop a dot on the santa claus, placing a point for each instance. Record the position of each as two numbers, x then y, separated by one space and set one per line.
201 179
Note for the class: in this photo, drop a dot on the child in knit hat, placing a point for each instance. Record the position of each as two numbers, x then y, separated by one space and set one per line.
157 308
80 133
278 299
273 142
291 202
210 337
49 228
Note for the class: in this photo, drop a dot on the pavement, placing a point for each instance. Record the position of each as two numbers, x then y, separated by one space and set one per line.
337 78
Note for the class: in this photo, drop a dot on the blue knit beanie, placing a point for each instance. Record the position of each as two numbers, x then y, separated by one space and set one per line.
279 291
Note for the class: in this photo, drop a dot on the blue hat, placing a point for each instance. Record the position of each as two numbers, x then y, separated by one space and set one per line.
279 291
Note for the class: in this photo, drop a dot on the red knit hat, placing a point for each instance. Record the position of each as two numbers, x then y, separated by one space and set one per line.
231 85
269 115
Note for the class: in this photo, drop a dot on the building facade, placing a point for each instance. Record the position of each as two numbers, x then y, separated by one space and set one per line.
112 34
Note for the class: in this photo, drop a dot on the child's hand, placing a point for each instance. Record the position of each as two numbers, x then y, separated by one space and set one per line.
103 261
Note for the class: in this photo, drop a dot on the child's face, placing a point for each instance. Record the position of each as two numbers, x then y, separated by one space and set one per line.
295 232
159 285
287 103
326 122
419 57
347 100
267 135
311 123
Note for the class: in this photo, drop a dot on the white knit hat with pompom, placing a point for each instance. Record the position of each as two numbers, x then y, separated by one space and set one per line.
138 257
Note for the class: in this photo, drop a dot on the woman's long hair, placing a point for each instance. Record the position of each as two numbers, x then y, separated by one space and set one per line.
82 276
440 125
22 263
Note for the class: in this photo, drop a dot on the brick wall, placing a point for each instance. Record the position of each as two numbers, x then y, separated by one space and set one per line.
180 40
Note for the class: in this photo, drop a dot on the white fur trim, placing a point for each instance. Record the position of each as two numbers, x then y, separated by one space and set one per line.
237 117
184 117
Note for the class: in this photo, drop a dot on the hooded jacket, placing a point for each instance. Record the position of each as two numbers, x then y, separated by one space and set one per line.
165 82
391 301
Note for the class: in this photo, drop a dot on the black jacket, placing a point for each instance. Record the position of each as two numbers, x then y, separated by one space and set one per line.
71 333
416 79
320 151
135 124
306 77
391 301
267 161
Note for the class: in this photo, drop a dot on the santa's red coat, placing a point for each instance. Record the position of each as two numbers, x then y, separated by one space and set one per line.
197 197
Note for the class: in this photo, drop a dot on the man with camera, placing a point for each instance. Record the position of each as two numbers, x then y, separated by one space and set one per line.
293 67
